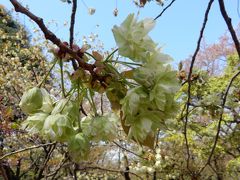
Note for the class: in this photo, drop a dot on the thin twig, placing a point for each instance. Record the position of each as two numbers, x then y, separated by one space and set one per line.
128 150
25 149
34 73
164 10
62 78
44 165
83 110
101 104
126 165
189 78
53 174
46 76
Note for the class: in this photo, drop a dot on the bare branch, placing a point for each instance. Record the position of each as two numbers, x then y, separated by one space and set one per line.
237 45
51 36
71 38
189 78
229 25
25 149
164 10
125 149
47 158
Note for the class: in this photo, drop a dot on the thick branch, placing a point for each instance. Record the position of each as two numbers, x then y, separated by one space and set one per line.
71 30
51 36
229 25
74 8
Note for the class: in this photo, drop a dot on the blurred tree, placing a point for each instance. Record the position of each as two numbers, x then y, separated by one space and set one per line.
21 66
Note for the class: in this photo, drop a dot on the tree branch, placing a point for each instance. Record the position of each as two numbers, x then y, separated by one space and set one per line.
25 149
47 158
51 36
237 45
125 149
189 78
228 21
71 38
164 10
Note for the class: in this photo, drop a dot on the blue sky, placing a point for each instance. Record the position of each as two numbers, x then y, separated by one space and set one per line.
176 31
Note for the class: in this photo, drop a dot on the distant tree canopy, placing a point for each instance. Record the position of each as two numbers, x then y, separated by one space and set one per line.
22 65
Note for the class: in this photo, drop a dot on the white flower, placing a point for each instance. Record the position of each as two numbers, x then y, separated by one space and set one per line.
144 168
158 150
150 169
132 38
157 163
158 156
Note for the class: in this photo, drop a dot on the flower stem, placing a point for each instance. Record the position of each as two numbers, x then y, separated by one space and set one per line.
46 76
110 55
62 81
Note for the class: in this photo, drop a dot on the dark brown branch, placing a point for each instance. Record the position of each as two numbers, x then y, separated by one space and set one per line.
47 158
51 36
189 78
71 38
83 110
126 165
74 8
164 10
229 25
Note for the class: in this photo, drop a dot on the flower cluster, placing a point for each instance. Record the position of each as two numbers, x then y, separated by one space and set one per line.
100 128
53 120
59 121
147 106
